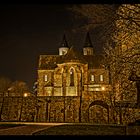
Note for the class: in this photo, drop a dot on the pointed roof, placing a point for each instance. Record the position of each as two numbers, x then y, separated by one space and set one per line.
64 42
88 42
73 56
94 61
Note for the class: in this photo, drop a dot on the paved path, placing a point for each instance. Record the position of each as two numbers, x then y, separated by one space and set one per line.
23 130
28 129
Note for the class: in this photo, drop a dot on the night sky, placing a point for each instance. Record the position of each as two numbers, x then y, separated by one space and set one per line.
26 31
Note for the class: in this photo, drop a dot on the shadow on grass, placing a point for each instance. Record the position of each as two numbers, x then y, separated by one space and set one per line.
5 126
83 130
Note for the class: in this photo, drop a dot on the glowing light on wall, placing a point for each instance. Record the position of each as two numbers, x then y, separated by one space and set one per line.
25 94
103 88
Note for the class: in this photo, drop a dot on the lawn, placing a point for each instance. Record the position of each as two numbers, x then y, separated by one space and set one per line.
5 126
78 129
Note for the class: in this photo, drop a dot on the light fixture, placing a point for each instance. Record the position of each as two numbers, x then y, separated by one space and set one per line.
25 95
103 88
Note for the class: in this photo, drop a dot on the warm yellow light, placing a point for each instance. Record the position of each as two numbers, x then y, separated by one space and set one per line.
96 89
103 88
25 94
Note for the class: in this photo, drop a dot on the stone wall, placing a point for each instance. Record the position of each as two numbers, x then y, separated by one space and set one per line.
17 109
59 109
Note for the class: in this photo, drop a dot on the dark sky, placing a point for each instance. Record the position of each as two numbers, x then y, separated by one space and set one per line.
26 31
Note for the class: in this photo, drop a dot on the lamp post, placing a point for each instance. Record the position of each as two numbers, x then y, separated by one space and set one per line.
81 88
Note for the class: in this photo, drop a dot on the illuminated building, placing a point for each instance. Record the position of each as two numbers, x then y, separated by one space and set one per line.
72 80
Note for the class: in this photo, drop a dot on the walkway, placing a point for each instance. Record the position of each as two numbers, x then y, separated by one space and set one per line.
25 130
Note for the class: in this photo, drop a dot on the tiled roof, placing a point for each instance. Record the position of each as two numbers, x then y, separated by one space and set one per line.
73 56
94 61
50 61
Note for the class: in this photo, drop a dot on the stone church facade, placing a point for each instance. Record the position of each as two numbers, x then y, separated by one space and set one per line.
73 86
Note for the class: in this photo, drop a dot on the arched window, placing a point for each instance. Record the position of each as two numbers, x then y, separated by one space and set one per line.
46 78
71 77
92 78
101 78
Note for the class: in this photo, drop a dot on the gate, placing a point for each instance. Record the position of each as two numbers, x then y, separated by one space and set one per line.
102 108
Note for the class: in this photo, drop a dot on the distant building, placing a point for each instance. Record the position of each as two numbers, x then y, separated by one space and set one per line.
72 82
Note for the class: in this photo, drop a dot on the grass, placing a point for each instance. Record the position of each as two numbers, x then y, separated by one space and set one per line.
82 130
5 126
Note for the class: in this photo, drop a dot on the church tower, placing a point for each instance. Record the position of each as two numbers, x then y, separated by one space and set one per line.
64 46
88 48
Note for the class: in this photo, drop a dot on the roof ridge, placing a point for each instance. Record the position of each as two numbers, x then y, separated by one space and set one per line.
74 55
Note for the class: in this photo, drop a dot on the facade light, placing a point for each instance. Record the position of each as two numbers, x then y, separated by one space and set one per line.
103 88
25 95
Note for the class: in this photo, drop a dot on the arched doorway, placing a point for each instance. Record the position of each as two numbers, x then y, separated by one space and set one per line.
98 112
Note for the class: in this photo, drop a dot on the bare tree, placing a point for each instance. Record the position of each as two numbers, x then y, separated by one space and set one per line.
18 88
96 17
125 58
4 84
120 33
112 20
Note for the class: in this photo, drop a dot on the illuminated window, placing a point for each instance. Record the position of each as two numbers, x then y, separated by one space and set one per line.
101 78
92 78
46 78
71 77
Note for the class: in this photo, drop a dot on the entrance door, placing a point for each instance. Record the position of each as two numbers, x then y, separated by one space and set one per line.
98 112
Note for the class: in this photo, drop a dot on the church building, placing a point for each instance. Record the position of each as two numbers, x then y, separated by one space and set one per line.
75 85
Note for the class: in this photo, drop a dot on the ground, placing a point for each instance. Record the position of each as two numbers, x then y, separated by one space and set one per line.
21 129
61 129
83 129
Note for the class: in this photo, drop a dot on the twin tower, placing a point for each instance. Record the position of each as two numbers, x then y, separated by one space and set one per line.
87 48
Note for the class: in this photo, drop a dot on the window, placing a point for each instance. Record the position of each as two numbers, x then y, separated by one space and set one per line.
92 78
46 78
71 77
101 78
